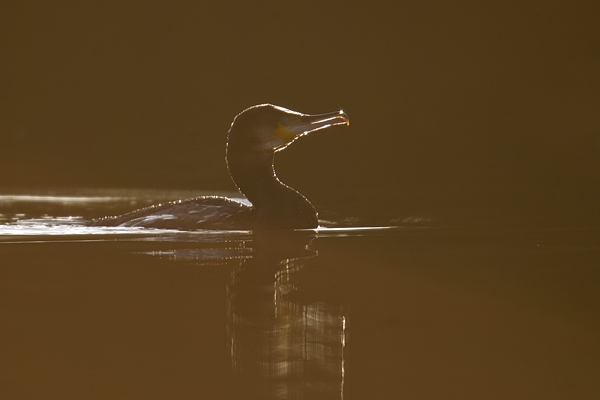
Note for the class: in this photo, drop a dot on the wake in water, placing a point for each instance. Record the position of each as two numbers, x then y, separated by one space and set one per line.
63 216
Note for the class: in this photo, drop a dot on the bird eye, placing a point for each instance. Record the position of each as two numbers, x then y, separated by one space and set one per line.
284 121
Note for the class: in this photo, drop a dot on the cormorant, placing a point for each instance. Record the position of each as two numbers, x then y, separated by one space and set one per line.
254 137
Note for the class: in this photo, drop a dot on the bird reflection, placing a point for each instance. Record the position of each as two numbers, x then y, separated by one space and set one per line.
286 341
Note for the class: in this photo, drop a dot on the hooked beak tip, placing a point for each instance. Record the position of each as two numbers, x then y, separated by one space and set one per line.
345 117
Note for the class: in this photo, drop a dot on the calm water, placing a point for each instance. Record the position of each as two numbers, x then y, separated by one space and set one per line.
425 309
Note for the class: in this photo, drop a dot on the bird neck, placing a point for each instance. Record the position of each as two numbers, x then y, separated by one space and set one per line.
253 174
277 205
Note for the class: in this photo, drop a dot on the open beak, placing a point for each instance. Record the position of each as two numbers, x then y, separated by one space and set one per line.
302 124
309 123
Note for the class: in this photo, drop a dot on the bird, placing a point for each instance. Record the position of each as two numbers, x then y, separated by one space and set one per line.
254 137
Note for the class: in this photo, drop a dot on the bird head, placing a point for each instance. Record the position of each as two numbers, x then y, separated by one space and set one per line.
266 127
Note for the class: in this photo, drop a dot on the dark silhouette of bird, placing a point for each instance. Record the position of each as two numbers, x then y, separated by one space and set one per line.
254 137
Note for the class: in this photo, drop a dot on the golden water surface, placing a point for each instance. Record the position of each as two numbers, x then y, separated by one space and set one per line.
414 311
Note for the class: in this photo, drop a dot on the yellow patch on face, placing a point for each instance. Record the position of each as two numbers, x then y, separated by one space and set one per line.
283 134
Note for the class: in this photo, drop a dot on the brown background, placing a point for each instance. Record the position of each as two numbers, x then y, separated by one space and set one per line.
469 104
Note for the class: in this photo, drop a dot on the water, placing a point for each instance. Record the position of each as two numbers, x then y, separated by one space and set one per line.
424 309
